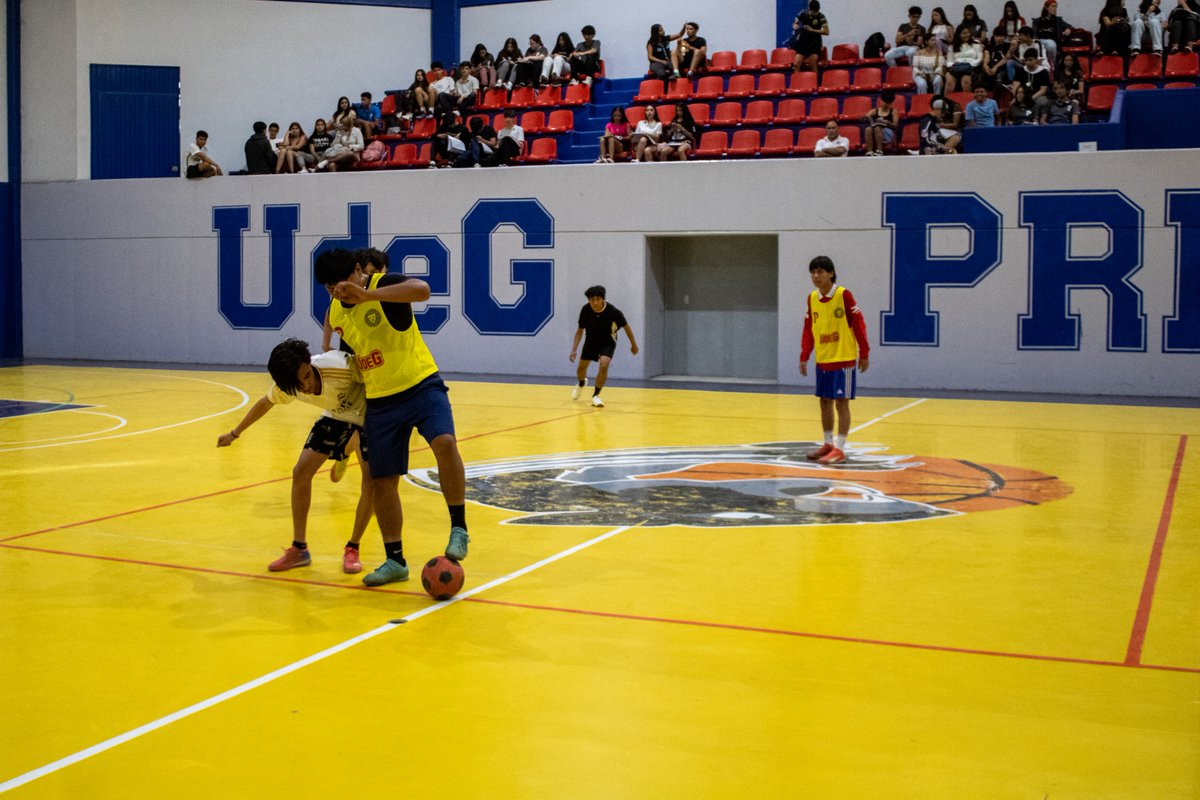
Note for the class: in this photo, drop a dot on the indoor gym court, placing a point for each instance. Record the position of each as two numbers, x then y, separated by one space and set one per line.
991 599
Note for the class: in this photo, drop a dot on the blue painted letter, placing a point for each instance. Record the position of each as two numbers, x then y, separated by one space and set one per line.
915 270
435 254
535 307
1054 273
1181 331
281 224
359 223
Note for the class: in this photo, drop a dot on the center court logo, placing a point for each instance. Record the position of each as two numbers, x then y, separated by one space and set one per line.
770 483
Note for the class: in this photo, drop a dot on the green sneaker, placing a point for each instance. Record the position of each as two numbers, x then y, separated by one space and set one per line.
457 548
387 572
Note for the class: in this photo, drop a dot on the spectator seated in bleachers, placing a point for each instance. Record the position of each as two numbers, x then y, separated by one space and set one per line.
1035 79
832 144
1025 43
557 66
199 165
646 136
1050 29
906 38
290 151
366 116
966 59
1062 110
510 140
971 21
941 32
346 148
616 137
260 159
461 94
658 52
1011 22
481 145
1115 31
440 86
993 71
1070 74
928 65
679 138
949 115
344 111
483 66
506 63
449 142
982 112
691 53
807 29
1183 23
419 97
585 58
882 123
529 66
1022 110
318 142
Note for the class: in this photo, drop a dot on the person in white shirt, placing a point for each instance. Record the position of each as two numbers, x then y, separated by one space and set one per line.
834 144
331 382
646 136
346 147
510 138
199 165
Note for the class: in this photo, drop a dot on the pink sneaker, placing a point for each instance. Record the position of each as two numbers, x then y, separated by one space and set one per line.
834 456
350 562
292 557
820 452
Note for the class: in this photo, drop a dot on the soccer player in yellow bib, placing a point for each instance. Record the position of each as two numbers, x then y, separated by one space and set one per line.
404 391
835 328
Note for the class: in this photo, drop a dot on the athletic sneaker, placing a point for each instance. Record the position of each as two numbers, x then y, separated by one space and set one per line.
387 572
292 557
339 470
457 548
597 402
820 452
834 456
575 392
350 561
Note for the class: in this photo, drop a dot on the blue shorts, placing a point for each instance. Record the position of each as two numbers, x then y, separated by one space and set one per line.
391 420
837 384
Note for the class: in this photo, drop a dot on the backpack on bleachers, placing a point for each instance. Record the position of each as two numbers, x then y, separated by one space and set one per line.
375 151
874 46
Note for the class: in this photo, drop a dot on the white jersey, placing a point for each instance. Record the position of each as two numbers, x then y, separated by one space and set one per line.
343 395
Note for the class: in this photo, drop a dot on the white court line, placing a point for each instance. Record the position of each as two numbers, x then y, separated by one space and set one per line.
888 414
244 401
121 423
162 722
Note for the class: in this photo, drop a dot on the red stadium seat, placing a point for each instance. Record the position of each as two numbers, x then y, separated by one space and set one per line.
533 121
404 156
700 113
823 109
854 108
388 106
781 58
560 121
522 97
843 55
899 79
910 137
1182 65
1179 85
771 84
802 83
1107 68
1140 87
727 114
758 112
712 144
635 114
493 100
1145 67
577 94
548 97
542 151
919 105
424 154
722 61
753 61
745 144
1100 97
807 140
867 79
666 113
962 98
709 87
790 112
834 81
649 91
777 142
679 89
1082 43
740 86
422 128
854 137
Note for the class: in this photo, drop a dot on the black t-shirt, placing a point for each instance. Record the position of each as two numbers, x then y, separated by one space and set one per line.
1032 81
601 329
320 141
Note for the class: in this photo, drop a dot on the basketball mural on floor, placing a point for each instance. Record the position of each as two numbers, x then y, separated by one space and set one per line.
770 483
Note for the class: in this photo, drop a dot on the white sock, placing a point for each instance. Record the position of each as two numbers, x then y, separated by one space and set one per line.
828 437
840 442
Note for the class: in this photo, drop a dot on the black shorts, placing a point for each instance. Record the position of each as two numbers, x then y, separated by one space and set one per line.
330 436
593 350
193 171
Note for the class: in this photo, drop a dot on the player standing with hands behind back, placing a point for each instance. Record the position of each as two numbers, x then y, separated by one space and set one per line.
601 320
835 328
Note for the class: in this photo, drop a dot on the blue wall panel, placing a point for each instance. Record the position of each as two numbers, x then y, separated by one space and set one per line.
135 121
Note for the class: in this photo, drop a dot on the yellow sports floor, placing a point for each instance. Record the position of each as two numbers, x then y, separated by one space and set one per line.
664 599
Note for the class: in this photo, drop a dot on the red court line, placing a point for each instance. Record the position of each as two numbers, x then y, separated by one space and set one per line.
254 485
632 617
1141 620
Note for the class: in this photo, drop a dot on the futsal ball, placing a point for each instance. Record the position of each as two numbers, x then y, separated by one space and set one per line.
442 577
